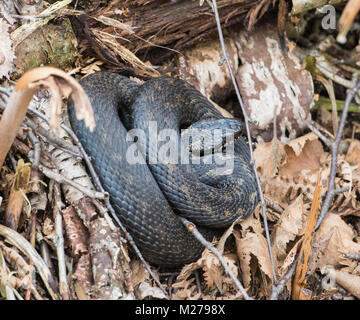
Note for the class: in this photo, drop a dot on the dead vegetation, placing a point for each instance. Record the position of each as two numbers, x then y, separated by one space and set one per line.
57 239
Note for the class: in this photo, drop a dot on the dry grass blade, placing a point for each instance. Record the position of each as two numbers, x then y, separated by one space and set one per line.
25 246
299 279
347 17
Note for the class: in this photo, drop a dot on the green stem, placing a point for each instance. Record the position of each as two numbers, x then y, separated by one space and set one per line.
326 103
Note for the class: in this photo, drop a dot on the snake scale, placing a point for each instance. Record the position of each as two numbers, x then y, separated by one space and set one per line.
148 197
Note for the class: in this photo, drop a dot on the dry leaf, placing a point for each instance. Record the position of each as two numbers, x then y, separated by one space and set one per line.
333 239
91 68
214 273
289 226
145 290
303 156
253 245
297 174
269 157
288 261
138 274
353 153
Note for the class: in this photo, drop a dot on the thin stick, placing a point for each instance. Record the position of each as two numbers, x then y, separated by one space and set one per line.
58 241
36 143
331 192
246 118
276 290
61 179
192 228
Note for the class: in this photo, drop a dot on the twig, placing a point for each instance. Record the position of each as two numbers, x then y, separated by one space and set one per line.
9 292
61 179
192 228
276 290
31 18
273 205
334 145
58 241
53 139
246 119
36 143
328 84
21 243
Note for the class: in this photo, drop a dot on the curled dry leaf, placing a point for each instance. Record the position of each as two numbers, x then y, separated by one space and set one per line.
187 290
25 88
289 226
333 240
214 273
253 245
145 290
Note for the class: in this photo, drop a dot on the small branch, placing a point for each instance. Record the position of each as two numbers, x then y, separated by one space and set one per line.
61 179
23 245
273 205
192 228
58 241
331 192
36 143
276 290
326 141
53 139
246 118
31 18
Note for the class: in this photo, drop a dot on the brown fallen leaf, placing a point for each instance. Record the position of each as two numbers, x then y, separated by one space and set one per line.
58 81
289 226
333 240
288 261
253 245
269 157
353 153
303 155
297 173
214 273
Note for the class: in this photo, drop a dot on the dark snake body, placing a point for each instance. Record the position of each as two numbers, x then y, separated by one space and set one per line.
148 197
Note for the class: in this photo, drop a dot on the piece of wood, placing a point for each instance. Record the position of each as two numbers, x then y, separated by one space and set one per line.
143 25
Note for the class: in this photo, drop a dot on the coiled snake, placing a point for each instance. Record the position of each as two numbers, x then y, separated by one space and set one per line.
149 196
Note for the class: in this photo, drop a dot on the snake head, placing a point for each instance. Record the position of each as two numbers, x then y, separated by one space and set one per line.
210 136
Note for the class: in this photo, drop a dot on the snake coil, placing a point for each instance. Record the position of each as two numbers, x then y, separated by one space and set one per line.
149 196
